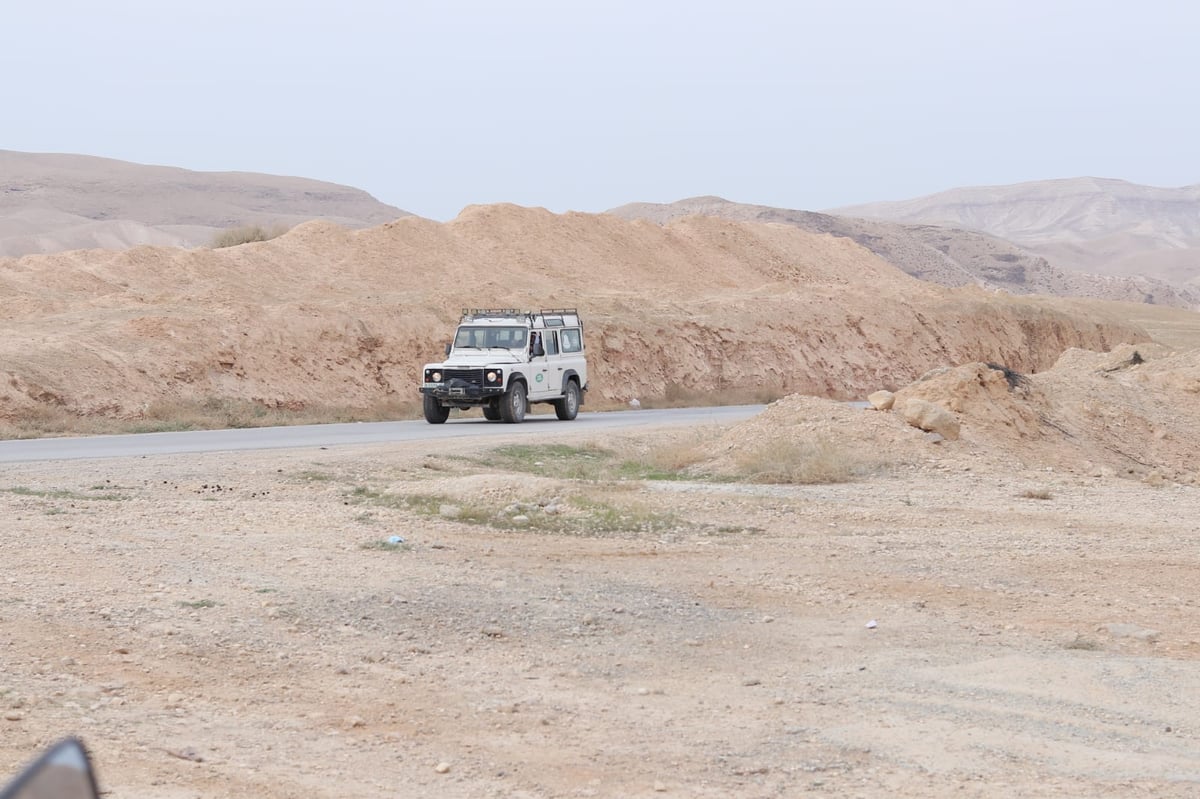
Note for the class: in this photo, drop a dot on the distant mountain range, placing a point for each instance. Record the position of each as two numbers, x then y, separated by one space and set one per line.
1081 237
947 255
52 202
1097 225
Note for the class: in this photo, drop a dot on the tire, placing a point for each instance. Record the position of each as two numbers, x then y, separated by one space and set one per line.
435 412
491 413
567 408
512 404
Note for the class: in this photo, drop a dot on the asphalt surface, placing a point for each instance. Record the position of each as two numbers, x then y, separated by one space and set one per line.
354 434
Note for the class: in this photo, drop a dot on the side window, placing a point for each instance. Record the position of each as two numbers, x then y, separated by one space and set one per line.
572 341
551 342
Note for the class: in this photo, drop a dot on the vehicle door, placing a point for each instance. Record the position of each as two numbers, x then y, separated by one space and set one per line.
542 366
571 356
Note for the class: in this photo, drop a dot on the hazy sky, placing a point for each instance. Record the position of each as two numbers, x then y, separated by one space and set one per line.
576 105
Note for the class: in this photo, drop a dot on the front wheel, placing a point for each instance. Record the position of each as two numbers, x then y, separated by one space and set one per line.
435 412
512 404
567 408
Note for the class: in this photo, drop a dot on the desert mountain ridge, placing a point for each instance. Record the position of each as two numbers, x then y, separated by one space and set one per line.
949 256
1100 225
55 202
51 202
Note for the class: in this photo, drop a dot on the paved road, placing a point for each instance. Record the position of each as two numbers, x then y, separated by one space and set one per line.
335 435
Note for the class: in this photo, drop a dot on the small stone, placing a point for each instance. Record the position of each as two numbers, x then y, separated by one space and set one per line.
882 400
492 631
442 768
751 681
660 787
14 715
355 721
186 753
520 520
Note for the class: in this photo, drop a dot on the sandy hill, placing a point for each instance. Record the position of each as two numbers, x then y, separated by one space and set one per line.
1092 224
1131 412
949 256
326 316
53 202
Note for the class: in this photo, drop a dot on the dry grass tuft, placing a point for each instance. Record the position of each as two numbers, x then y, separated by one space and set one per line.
676 395
212 413
245 235
802 462
670 453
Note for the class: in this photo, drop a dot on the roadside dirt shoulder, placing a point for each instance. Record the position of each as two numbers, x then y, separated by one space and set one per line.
224 625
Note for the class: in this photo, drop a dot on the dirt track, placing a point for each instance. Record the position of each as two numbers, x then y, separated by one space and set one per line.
219 626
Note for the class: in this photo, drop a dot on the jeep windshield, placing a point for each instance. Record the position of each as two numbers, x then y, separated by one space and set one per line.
481 338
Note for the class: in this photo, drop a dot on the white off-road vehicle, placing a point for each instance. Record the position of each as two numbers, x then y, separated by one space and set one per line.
503 360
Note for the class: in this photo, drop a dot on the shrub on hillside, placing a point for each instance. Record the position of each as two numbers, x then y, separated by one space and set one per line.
244 235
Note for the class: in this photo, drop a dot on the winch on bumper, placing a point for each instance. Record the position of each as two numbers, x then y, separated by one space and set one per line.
473 386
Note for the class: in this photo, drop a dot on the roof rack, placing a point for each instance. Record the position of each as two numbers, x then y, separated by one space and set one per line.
476 312
546 317
556 317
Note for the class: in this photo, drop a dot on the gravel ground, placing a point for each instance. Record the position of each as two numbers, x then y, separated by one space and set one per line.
238 625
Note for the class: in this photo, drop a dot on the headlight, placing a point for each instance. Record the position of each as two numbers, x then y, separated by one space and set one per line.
433 375
492 377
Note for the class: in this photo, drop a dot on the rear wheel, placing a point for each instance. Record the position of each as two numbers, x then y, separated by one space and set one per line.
435 412
567 408
491 413
512 404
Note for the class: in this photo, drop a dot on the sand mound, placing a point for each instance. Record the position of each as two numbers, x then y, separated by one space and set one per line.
1132 411
329 317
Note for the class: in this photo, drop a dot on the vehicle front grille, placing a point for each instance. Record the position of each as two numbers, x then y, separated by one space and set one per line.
472 376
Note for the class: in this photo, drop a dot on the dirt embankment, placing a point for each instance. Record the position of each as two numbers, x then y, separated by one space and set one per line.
1131 413
324 316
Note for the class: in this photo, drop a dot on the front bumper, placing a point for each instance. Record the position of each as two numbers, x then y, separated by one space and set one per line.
456 385
461 395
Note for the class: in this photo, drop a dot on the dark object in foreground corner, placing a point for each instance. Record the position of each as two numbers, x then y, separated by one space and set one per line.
64 771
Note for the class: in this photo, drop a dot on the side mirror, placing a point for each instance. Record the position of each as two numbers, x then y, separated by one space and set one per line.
448 347
64 771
